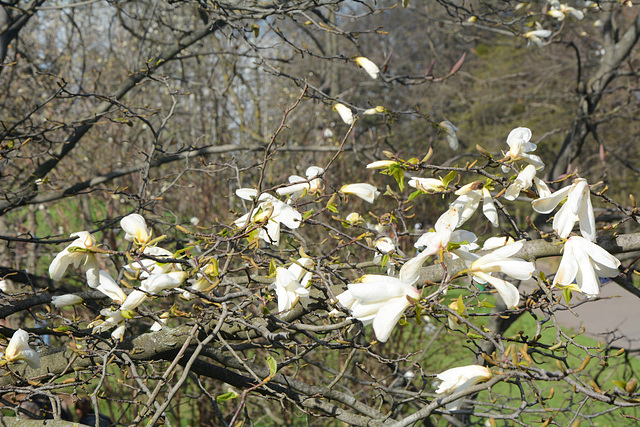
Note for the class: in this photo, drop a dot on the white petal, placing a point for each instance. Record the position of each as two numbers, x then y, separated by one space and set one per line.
366 192
549 203
135 227
488 208
387 318
568 268
564 220
345 113
247 193
368 65
134 299
66 300
375 287
110 288
506 290
59 265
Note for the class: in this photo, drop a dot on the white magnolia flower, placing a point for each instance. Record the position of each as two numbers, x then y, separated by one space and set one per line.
520 146
376 110
381 164
301 186
500 261
469 199
291 283
577 208
385 245
560 11
135 228
270 213
379 301
143 267
66 300
497 242
156 283
134 299
438 240
110 288
75 254
113 319
345 113
461 378
584 262
536 37
368 65
450 132
523 182
428 185
366 192
18 349
354 218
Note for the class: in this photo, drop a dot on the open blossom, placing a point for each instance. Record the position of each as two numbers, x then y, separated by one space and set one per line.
560 11
67 300
584 262
428 185
270 213
135 228
435 241
450 132
156 283
345 113
523 182
536 36
300 186
469 199
577 208
143 267
291 283
110 288
354 218
18 349
368 65
500 261
114 318
461 378
520 146
366 192
75 254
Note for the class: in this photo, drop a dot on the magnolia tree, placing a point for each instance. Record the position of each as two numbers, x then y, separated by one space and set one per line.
323 297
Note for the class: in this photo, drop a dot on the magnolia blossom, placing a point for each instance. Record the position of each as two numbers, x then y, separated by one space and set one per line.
376 110
584 262
520 146
301 186
427 185
18 349
143 267
134 299
500 261
368 65
560 11
536 36
110 288
114 318
291 283
270 211
66 300
204 281
366 192
135 228
450 132
354 218
523 182
577 208
345 113
459 379
470 197
381 164
497 242
156 283
435 241
77 252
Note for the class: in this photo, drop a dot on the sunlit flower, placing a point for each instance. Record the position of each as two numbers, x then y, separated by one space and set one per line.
354 218
135 228
469 199
427 185
114 318
18 349
269 213
345 113
368 65
520 146
291 283
435 241
500 261
379 301
385 245
461 378
523 182
110 288
134 299
67 300
584 262
450 132
77 252
143 267
366 192
560 11
536 36
577 208
300 186
156 283
497 242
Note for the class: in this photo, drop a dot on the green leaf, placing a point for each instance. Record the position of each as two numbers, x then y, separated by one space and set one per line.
399 176
474 335
418 314
450 176
486 304
566 293
460 308
227 396
332 207
307 214
272 267
385 260
621 384
415 194
273 365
